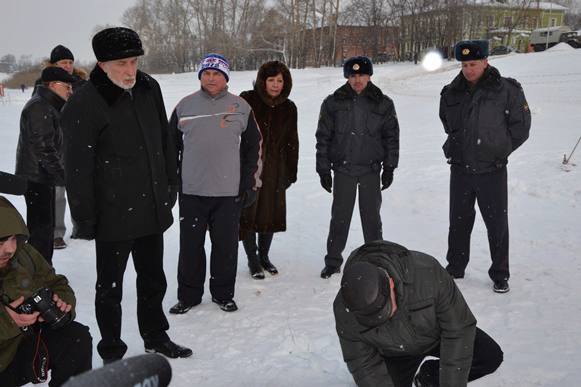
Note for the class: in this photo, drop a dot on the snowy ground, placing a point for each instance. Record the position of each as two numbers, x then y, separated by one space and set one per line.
284 333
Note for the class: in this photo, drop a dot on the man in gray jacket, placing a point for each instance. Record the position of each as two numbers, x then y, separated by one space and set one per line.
218 144
397 306
357 135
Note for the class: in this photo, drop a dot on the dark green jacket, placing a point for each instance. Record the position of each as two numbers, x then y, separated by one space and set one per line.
431 312
357 134
26 272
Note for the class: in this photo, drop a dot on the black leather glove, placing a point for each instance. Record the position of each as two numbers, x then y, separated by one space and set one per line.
85 230
173 195
248 198
386 178
327 182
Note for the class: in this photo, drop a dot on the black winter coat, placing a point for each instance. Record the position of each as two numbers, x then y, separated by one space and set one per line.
484 124
38 155
356 134
119 157
431 312
277 121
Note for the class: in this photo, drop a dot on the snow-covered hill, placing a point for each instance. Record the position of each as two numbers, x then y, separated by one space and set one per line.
284 333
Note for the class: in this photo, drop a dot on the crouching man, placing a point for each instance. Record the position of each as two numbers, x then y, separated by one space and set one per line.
394 308
36 334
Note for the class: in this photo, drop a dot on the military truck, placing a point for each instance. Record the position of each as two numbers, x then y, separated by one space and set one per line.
543 38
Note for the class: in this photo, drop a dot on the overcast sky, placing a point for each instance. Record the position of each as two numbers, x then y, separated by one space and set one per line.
34 27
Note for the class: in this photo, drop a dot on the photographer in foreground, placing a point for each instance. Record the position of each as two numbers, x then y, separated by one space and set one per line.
36 333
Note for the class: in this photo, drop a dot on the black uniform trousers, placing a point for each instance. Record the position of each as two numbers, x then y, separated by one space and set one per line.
221 217
345 189
70 353
490 189
486 358
112 257
40 217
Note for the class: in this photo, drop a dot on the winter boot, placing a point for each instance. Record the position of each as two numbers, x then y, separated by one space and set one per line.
264 242
255 268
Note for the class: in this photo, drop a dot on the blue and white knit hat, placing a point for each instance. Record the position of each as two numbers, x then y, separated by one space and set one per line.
215 62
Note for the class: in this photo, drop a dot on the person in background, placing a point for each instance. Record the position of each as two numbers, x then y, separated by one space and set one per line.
122 184
218 143
276 115
39 156
396 307
357 136
486 118
62 57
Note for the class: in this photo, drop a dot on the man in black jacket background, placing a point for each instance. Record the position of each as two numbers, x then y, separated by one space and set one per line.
486 118
39 157
357 135
121 180
397 306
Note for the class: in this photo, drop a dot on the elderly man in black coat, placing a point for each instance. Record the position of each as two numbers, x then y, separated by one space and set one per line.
121 179
397 306
486 118
39 157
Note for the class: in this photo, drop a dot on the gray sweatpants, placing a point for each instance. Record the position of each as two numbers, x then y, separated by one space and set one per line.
344 191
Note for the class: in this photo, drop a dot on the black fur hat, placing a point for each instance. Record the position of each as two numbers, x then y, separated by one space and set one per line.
56 74
116 43
357 65
60 53
471 50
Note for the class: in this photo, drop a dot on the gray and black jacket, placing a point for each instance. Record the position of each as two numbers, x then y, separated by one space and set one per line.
357 134
431 312
485 123
218 144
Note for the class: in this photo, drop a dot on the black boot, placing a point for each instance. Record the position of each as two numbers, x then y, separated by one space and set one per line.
253 263
264 242
255 268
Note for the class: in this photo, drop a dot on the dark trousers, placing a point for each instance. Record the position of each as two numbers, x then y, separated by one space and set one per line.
40 217
262 248
490 189
112 260
344 191
70 352
221 217
486 359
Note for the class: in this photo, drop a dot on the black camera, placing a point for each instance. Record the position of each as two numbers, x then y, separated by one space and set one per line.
41 301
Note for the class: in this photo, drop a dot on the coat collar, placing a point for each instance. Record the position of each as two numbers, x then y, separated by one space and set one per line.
220 94
51 97
490 80
111 92
371 91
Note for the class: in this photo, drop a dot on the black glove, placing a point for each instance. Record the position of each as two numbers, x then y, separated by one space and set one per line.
327 182
386 178
85 230
173 195
248 198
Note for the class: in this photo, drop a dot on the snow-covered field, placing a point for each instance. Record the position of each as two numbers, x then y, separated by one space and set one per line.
284 332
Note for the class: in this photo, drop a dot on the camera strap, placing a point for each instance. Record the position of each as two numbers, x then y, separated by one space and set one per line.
40 360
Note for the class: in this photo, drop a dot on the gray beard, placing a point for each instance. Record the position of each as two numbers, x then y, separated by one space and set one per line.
121 85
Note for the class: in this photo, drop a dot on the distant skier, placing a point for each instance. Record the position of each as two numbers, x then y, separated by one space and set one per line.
486 117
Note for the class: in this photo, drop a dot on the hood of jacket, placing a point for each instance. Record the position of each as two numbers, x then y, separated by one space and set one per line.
110 91
260 83
11 223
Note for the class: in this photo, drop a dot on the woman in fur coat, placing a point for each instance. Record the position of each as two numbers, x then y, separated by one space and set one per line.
277 118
